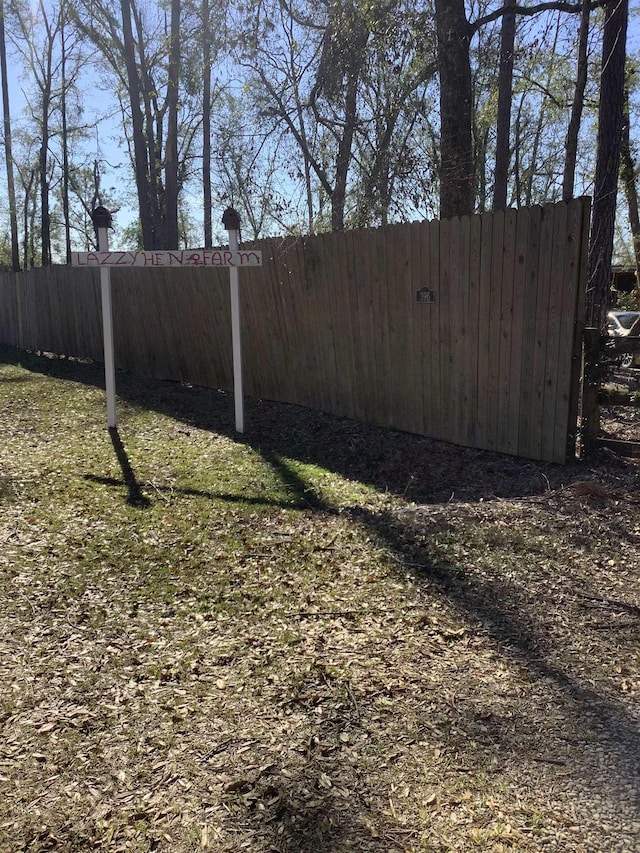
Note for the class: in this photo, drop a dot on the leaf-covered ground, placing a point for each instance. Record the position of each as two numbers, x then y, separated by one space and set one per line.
320 636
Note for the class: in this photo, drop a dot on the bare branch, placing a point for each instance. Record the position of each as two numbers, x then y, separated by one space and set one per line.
553 6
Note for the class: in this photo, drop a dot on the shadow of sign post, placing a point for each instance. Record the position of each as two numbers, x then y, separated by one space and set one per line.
105 259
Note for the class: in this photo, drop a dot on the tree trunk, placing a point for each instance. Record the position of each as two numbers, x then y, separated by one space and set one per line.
206 124
505 96
28 220
577 106
531 173
153 134
137 128
610 125
64 141
13 216
360 36
343 158
628 178
171 149
517 167
43 162
457 172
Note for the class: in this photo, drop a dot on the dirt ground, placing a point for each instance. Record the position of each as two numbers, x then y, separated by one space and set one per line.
377 643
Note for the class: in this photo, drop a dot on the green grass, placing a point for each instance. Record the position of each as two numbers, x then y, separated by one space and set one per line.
288 640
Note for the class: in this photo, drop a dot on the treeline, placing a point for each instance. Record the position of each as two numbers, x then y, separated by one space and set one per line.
310 115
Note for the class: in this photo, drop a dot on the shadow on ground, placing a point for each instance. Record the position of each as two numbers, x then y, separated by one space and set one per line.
497 608
420 469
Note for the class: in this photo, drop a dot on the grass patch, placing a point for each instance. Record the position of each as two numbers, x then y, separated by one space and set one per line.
320 635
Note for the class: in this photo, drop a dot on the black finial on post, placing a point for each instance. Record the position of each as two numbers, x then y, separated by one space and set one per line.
101 217
231 219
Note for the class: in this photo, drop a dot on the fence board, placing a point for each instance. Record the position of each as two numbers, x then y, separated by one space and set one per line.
493 332
88 331
424 319
436 249
506 328
468 333
567 326
308 354
429 314
517 328
274 349
10 314
525 423
414 283
365 321
382 333
474 330
458 249
445 248
579 328
357 356
294 295
543 295
332 322
484 326
253 331
282 276
553 348
340 323
400 308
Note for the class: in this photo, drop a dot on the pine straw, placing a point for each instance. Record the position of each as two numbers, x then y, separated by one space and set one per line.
325 637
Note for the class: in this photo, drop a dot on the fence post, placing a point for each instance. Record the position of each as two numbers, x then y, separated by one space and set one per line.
231 222
102 223
591 380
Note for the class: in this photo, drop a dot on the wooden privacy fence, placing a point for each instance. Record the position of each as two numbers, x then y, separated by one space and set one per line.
467 330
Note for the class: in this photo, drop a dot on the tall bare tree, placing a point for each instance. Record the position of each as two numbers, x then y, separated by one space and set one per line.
610 129
457 166
628 177
505 97
144 173
577 105
37 37
206 121
142 45
171 148
454 37
8 151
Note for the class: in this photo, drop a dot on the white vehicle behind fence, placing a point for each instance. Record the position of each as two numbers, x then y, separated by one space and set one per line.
623 324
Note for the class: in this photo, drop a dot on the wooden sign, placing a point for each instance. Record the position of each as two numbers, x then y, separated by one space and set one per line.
233 257
173 258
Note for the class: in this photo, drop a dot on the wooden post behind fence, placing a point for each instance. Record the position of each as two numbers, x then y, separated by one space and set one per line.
591 380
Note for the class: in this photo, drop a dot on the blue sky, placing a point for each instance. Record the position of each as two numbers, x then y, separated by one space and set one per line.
102 103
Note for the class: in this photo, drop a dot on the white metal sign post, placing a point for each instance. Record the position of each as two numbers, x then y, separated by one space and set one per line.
231 222
102 222
233 257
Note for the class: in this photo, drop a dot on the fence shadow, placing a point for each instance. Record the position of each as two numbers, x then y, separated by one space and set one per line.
494 606
421 469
